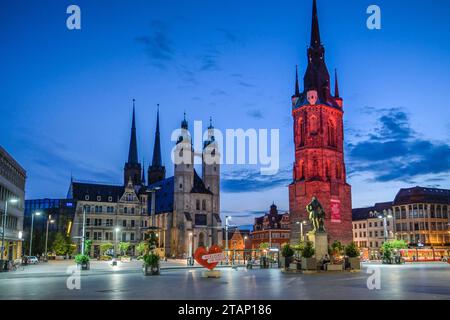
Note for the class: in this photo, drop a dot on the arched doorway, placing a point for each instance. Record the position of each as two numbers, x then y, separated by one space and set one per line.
201 240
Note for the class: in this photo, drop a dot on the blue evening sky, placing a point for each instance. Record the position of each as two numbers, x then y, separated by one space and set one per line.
65 96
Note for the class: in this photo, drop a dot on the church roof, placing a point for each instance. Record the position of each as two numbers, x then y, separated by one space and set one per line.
164 196
199 186
79 191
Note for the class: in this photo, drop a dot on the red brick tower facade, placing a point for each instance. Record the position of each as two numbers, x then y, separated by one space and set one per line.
319 168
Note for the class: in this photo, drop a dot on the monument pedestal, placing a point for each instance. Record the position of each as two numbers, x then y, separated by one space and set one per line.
320 243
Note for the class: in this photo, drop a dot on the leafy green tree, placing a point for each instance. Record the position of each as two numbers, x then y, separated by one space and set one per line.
123 247
141 248
105 247
308 250
352 250
287 251
87 246
388 248
60 245
336 248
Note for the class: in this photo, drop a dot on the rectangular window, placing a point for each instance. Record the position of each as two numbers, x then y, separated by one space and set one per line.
132 236
124 223
132 223
200 220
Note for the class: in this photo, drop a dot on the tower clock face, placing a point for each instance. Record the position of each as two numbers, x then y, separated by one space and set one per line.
311 96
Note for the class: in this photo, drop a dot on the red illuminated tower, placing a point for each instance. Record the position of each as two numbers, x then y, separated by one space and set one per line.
319 168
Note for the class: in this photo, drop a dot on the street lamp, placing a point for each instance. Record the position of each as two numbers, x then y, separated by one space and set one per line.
301 229
152 191
117 229
4 226
49 220
37 213
226 234
385 215
190 247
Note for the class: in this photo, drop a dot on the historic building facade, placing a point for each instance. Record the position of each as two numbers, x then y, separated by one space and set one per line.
113 213
272 228
418 215
187 207
421 216
369 230
319 168
12 187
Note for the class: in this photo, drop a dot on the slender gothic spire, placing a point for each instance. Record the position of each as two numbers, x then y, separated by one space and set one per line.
132 153
336 84
316 75
143 172
297 88
157 162
315 34
156 171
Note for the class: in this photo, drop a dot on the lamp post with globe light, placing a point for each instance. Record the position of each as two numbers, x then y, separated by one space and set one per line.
49 220
385 215
37 213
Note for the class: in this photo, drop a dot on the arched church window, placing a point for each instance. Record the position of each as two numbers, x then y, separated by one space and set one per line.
315 168
328 170
314 124
331 134
338 172
300 132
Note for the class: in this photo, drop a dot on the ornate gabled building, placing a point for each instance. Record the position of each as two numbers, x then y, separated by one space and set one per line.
114 213
319 168
187 207
272 228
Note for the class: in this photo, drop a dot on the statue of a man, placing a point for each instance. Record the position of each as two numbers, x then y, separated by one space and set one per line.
316 215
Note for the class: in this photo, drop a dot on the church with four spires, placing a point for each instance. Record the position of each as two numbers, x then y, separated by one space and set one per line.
186 213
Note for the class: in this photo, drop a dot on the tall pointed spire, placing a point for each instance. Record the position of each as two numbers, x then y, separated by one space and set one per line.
156 171
132 169
143 172
297 88
336 84
132 153
316 76
315 34
157 162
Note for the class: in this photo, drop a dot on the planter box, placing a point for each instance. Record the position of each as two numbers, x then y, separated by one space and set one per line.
60 257
295 266
151 271
286 261
355 263
127 259
84 266
334 267
309 264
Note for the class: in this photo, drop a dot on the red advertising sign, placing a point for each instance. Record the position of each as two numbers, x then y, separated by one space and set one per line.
335 210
